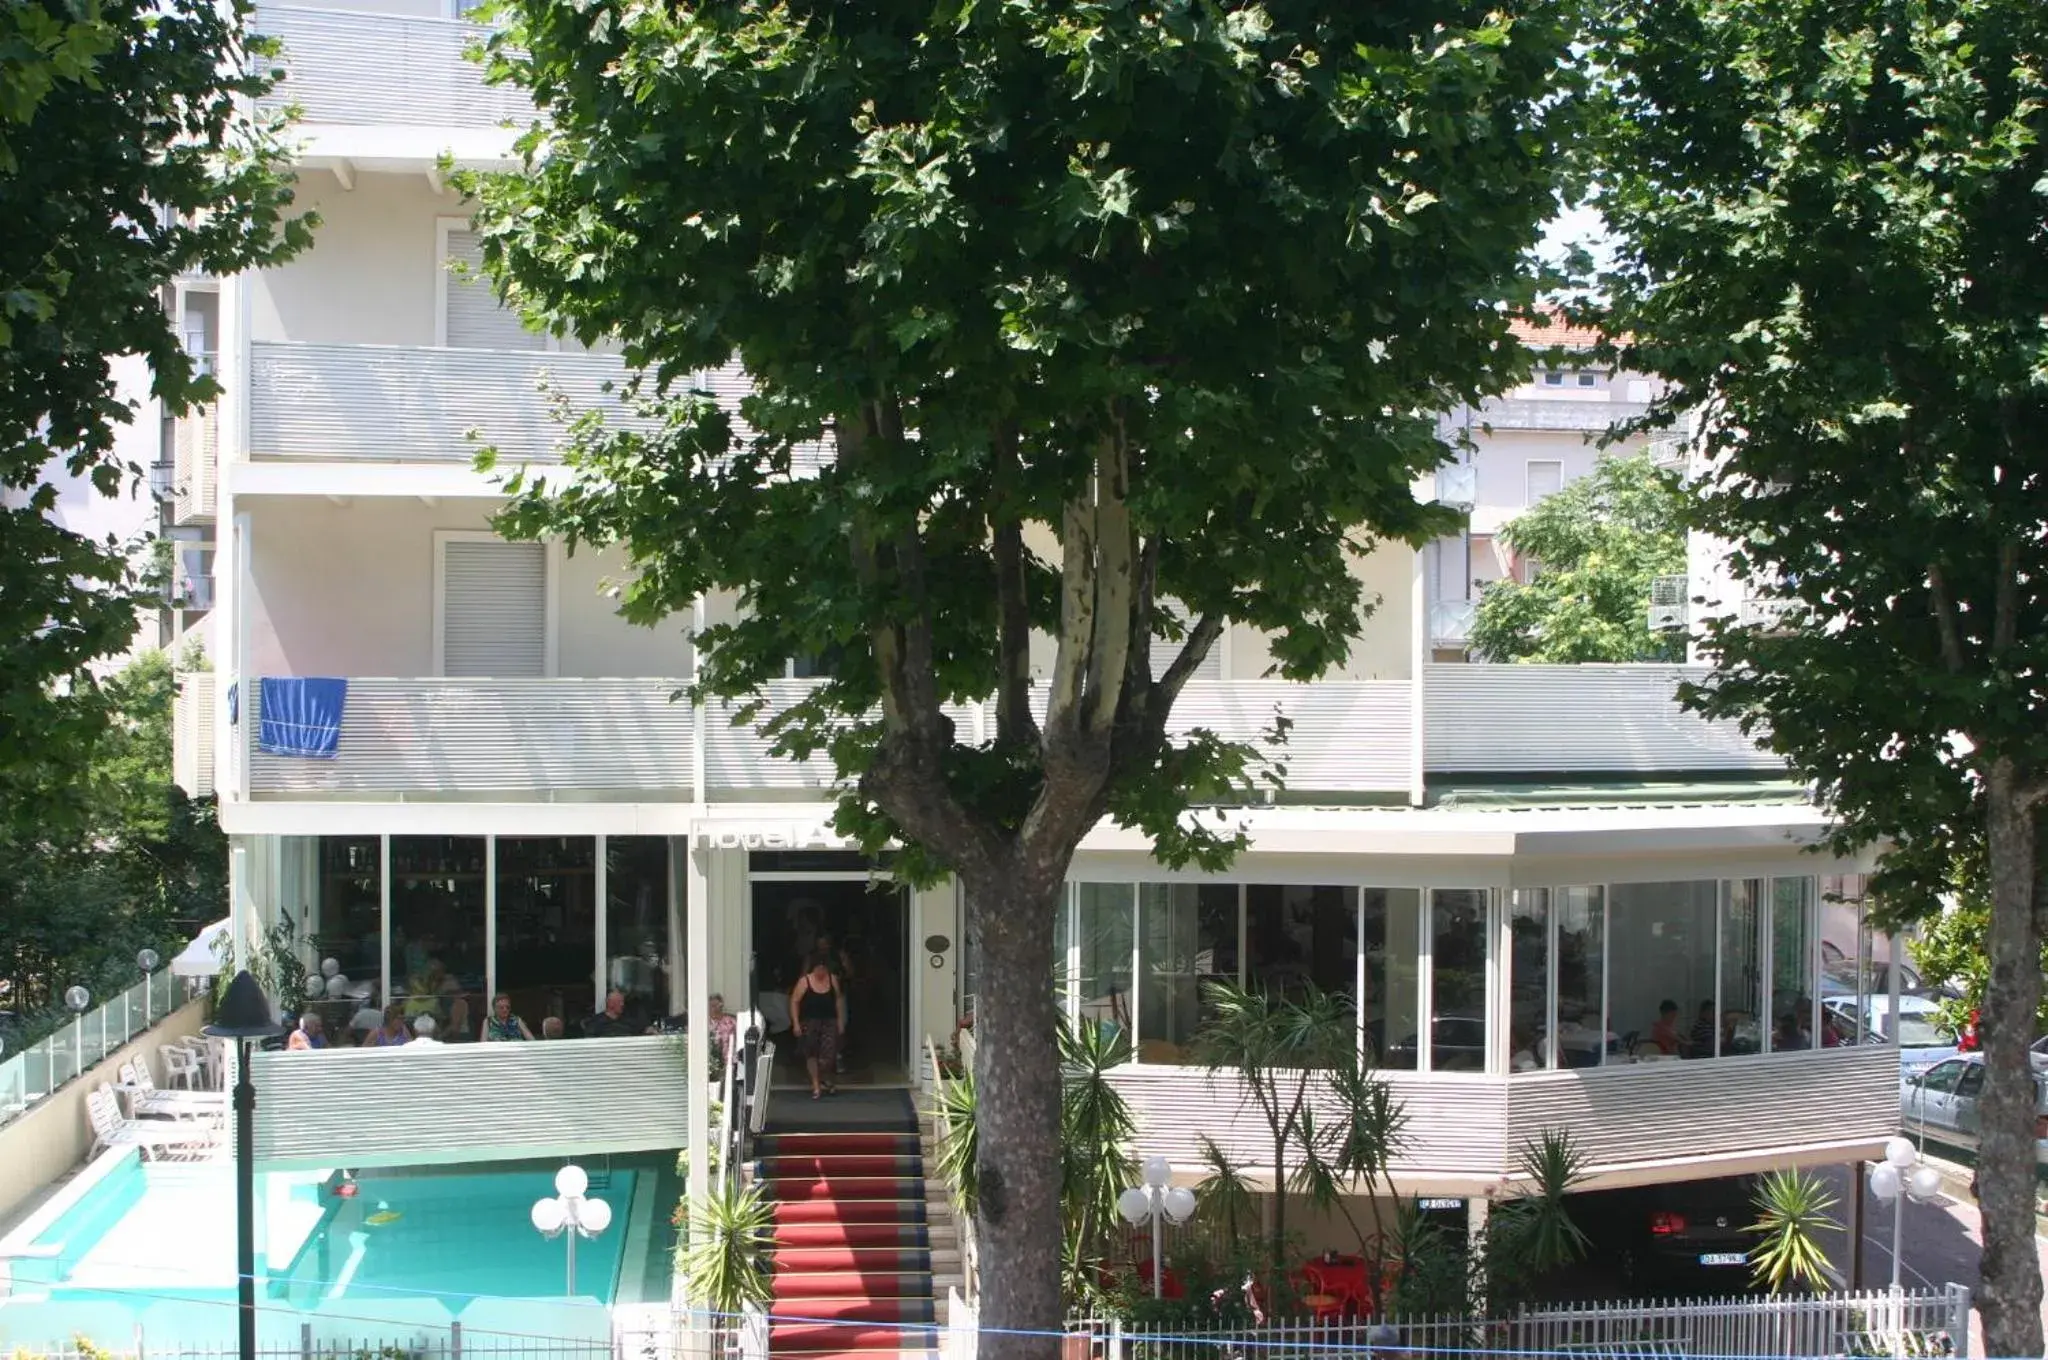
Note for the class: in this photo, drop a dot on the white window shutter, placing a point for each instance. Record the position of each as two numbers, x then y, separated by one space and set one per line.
475 320
494 609
1164 652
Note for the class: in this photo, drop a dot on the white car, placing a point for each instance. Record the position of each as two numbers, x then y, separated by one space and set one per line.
1923 1039
1941 1104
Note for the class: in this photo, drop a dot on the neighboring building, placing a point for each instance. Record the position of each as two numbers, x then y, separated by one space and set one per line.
1514 451
1508 866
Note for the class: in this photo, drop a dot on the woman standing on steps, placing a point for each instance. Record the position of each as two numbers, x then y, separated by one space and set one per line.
818 1006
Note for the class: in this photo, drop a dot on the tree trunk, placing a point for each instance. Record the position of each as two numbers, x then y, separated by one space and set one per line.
1017 1117
2010 1292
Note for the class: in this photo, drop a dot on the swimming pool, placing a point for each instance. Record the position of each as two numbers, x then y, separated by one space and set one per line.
152 1246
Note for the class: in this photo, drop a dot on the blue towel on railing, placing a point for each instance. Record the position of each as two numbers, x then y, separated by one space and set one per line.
300 716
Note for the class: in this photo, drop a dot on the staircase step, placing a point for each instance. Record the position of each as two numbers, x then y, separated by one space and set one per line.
821 1232
881 1353
849 1211
811 1338
814 1165
848 1144
845 1188
792 1281
890 1310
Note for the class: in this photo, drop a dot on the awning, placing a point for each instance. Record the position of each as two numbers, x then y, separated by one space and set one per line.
199 959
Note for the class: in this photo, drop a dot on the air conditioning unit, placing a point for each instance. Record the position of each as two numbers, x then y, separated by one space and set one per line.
1771 616
1668 606
1458 485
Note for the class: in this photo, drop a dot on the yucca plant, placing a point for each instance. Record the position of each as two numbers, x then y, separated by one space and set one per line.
721 1256
955 1108
1225 1202
1546 1237
1096 1128
1792 1213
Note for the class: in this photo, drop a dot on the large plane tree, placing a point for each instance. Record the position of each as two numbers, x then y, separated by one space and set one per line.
1122 320
1829 237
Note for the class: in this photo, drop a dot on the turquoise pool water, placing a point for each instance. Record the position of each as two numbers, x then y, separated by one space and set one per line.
416 1242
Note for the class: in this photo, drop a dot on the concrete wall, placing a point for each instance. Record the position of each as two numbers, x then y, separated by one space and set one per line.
55 1135
370 276
349 590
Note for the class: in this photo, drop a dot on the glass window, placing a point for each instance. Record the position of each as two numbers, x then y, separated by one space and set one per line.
1457 941
348 927
1970 1085
1187 939
1662 1000
1103 922
547 928
1295 935
1062 949
1546 478
1742 968
1792 982
1585 1037
1554 378
1589 380
636 936
1529 1028
437 928
1391 921
1943 1076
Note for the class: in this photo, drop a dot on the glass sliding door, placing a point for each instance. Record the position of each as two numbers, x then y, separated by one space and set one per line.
636 923
1584 1035
1458 952
1793 950
348 927
1529 1022
1661 985
438 948
1390 926
1187 939
1105 926
547 928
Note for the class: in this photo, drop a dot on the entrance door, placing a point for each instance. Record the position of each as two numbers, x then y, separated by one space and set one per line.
862 922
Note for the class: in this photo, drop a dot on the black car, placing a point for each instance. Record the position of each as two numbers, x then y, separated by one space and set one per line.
1684 1236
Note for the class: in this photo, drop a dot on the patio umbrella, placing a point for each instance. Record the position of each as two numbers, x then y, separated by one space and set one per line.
198 958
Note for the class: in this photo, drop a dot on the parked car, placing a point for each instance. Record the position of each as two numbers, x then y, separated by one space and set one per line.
1924 1039
1941 1104
1683 1235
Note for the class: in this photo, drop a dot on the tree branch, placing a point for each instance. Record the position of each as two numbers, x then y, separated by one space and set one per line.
1077 621
1945 619
1015 725
1113 584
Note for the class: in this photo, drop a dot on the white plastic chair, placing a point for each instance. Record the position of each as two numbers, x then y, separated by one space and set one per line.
110 1130
180 1067
146 1098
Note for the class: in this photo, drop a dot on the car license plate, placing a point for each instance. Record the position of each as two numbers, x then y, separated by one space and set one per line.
1724 1258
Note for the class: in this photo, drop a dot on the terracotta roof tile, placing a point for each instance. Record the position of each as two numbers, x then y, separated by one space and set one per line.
1556 333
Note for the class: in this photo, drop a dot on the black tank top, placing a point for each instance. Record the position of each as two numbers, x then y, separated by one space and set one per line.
817 1005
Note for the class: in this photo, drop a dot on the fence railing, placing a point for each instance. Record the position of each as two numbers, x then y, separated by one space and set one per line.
1919 1323
30 1077
453 1344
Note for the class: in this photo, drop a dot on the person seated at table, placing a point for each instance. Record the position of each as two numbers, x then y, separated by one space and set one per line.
501 1025
551 1027
309 1035
611 1022
724 1027
392 1032
1664 1034
1700 1043
1790 1034
1522 1051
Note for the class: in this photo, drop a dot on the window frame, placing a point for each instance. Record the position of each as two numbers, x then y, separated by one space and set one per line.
551 576
1529 496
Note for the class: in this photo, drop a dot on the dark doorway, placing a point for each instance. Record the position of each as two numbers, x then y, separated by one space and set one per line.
864 921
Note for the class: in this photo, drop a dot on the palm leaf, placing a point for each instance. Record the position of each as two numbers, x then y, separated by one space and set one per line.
1792 1213
957 1143
721 1256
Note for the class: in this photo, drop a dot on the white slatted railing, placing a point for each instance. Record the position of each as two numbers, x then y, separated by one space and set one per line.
423 1104
192 733
1617 719
356 69
449 738
1629 1113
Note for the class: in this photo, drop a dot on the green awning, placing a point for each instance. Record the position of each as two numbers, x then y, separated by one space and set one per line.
1583 793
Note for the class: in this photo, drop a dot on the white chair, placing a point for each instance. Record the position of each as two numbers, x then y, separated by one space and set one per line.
110 1130
146 1098
181 1069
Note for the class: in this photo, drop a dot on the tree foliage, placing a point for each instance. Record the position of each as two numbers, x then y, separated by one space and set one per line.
137 864
1829 222
1103 322
1598 544
125 161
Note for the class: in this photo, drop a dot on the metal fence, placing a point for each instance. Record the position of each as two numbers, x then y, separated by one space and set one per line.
453 1344
1922 1323
30 1076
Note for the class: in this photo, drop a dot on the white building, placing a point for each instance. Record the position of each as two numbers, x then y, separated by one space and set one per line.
1497 862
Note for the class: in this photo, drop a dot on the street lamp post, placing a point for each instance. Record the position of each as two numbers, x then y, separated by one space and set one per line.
1899 1177
147 961
1157 1201
570 1213
77 998
244 1016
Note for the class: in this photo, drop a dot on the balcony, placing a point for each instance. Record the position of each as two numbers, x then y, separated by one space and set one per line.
598 740
194 474
357 69
1450 622
1631 1120
1535 413
391 403
1606 719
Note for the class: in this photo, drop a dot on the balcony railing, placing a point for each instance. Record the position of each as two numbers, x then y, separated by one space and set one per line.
628 740
351 68
192 733
1820 1105
1450 622
1512 719
197 461
392 403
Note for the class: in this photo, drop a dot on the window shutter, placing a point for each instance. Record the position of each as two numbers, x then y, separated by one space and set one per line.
475 320
1164 652
494 609
1546 478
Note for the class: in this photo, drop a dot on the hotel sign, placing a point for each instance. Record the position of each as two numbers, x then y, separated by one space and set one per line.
743 834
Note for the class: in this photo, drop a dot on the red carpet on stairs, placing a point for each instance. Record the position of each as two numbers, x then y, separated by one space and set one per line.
852 1262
